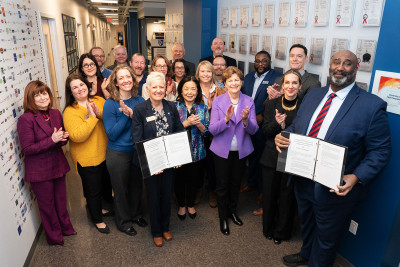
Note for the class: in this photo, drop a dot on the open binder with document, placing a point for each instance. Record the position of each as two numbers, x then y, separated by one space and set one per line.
164 152
313 158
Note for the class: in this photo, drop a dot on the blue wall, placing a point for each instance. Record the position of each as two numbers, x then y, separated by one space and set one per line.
192 30
377 242
132 34
209 26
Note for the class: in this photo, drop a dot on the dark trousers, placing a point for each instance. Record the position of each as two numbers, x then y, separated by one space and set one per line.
278 204
322 224
158 190
186 181
126 179
52 201
92 188
107 192
254 168
209 167
229 174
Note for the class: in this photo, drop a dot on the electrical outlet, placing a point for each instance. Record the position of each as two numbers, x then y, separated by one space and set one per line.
353 227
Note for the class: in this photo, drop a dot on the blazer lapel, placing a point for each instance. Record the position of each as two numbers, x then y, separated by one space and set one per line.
149 113
348 102
43 124
311 107
241 105
261 86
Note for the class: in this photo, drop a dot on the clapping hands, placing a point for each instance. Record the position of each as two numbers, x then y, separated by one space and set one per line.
280 119
273 92
125 109
59 135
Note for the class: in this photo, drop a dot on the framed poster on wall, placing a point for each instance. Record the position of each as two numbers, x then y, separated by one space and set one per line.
70 42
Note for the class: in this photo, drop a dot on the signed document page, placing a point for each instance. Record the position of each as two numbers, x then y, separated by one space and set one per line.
178 149
155 153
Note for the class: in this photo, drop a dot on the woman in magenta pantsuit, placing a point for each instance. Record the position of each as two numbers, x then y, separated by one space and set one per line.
41 135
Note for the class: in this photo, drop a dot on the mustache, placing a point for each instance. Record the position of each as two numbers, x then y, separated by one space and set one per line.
343 73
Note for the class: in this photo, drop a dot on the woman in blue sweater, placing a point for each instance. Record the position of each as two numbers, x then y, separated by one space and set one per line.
126 177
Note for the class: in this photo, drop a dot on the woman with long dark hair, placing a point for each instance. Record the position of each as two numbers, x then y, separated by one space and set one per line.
89 69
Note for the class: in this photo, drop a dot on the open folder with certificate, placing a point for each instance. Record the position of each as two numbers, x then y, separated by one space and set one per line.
164 152
313 158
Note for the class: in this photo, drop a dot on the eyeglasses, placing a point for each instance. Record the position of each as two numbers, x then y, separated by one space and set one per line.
96 56
264 61
161 66
91 65
219 65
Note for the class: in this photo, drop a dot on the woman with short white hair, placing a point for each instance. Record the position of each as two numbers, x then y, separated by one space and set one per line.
154 118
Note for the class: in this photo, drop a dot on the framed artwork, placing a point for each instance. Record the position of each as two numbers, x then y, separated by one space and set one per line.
69 26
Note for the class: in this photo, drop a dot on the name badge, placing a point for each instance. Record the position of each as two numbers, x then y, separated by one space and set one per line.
265 82
151 118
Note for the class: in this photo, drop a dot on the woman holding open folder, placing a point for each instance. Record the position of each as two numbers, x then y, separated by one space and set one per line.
233 121
154 118
278 196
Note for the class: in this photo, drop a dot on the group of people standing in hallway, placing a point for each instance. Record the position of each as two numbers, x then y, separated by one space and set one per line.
230 119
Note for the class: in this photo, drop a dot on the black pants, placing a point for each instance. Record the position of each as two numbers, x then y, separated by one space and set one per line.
278 204
158 189
229 174
92 178
186 181
209 168
254 169
126 179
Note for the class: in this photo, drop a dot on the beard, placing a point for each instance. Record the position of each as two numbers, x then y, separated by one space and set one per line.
261 71
348 77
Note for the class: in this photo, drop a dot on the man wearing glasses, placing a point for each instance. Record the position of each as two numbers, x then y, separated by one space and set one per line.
98 53
138 64
255 85
219 65
297 60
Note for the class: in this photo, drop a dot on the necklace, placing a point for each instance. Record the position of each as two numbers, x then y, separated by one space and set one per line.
289 108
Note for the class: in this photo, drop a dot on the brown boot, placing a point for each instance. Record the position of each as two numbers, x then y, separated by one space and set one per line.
212 199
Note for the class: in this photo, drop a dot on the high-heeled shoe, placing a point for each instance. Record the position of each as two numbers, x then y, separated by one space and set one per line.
181 217
105 230
192 215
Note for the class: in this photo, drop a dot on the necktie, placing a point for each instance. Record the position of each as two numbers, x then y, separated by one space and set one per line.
321 116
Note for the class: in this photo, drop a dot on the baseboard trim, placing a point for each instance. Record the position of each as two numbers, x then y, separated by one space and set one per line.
33 247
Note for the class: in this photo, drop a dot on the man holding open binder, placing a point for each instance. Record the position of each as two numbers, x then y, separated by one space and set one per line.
346 115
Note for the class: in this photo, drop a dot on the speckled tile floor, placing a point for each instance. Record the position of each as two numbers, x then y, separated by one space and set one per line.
195 242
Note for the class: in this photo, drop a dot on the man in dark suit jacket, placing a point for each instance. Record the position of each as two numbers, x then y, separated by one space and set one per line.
255 85
218 47
297 60
178 52
357 120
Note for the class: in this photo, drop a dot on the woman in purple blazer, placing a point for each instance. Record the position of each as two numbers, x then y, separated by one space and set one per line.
233 121
40 131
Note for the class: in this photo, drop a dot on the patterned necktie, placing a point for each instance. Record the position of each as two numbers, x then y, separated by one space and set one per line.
321 116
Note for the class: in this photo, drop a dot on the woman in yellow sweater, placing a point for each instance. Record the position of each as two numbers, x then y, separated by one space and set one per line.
88 141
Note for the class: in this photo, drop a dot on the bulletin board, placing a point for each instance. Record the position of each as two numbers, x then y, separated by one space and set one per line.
323 26
21 61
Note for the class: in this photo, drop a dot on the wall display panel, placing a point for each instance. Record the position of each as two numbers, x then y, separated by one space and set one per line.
254 44
244 16
280 50
224 38
21 61
339 44
71 48
300 13
243 44
344 13
224 17
266 44
366 54
372 12
255 15
269 15
317 51
299 40
233 17
321 12
284 14
232 43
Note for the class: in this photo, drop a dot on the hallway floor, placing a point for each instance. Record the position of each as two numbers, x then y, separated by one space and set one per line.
195 242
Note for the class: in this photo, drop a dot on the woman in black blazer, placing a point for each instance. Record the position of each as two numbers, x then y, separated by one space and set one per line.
153 118
278 196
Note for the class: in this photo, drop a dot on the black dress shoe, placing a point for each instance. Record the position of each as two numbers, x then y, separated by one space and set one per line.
181 217
130 231
108 213
105 230
277 241
294 260
141 222
236 220
192 215
224 227
269 237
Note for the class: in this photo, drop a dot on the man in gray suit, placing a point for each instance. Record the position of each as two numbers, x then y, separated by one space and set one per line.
178 52
297 60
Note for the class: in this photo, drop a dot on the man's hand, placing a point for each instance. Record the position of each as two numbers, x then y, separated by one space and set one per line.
281 142
349 181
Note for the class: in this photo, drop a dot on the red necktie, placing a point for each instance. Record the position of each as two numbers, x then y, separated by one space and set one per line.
321 116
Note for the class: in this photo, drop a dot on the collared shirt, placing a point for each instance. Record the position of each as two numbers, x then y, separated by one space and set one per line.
257 82
206 102
221 84
334 108
302 72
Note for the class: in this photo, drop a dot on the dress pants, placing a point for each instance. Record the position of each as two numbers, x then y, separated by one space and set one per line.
278 204
255 174
209 167
107 193
186 181
126 179
51 196
322 224
229 173
158 189
92 188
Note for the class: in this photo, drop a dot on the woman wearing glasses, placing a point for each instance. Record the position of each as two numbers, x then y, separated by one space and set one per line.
180 70
89 69
161 64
